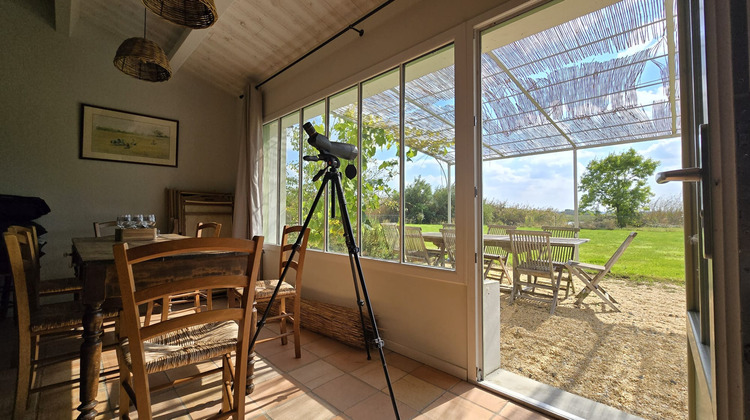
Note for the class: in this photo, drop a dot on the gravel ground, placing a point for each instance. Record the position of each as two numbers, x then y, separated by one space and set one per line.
634 360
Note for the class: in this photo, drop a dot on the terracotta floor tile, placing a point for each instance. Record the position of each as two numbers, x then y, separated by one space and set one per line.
435 377
324 347
373 375
379 406
285 360
344 391
275 391
263 371
305 406
350 359
513 411
402 362
451 406
415 392
477 395
316 373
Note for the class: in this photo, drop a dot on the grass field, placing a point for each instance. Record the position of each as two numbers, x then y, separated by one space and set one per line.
655 255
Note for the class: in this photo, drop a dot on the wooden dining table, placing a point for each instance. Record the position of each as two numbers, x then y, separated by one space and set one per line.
94 261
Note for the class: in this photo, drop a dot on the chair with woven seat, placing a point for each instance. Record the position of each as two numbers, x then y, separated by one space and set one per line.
264 289
46 287
561 254
531 251
203 230
592 274
415 250
495 255
186 339
37 322
98 226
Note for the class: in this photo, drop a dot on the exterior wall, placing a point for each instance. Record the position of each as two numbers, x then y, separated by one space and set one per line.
45 77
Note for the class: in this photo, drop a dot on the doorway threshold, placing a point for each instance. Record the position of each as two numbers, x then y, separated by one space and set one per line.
554 400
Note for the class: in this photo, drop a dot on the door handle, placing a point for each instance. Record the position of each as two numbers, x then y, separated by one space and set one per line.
684 175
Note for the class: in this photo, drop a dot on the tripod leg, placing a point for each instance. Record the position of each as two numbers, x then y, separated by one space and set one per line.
354 258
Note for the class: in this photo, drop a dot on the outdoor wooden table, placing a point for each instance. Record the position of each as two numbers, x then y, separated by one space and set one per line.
96 270
504 240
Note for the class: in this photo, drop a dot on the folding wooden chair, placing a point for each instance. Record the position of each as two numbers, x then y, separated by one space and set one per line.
416 250
392 237
562 254
495 255
591 275
531 251
449 241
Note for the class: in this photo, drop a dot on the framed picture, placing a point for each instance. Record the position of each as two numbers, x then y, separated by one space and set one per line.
109 134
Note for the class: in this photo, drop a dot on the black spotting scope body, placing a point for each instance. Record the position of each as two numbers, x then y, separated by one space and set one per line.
321 142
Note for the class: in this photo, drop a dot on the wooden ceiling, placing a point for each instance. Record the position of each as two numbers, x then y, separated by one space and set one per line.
251 40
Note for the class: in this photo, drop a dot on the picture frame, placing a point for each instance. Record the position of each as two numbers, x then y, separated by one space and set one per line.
121 136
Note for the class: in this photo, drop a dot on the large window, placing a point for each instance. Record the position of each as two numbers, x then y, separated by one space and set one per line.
403 123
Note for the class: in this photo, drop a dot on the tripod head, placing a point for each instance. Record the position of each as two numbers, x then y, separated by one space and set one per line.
332 164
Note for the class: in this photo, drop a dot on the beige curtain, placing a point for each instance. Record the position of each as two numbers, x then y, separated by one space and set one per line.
248 217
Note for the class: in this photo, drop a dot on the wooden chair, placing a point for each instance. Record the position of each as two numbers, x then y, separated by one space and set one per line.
497 256
449 241
39 322
392 237
591 275
531 252
416 250
187 339
214 229
264 288
561 254
98 226
47 287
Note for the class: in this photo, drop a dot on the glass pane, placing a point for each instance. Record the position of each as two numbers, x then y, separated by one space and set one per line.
380 166
344 129
271 213
314 115
429 136
290 135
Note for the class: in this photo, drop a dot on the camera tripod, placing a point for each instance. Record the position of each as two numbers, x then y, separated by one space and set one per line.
330 173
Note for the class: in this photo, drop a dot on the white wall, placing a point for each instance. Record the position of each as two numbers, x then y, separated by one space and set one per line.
423 313
45 76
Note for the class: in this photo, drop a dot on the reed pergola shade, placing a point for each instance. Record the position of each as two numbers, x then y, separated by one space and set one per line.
598 78
195 14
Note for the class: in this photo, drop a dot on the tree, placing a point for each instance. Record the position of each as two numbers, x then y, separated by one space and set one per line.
418 196
618 183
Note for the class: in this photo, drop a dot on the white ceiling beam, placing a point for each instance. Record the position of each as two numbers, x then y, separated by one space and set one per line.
190 39
67 13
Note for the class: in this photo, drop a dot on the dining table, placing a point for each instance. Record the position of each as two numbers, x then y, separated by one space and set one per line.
95 267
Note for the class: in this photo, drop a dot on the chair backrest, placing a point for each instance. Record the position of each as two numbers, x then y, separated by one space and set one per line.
621 250
562 231
531 250
449 239
288 239
21 268
208 230
390 230
98 226
35 251
414 246
497 230
164 283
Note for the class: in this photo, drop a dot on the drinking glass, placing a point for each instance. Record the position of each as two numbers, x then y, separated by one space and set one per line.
138 221
123 221
150 221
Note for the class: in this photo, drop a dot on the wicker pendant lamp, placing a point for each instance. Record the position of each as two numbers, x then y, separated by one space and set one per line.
143 59
195 14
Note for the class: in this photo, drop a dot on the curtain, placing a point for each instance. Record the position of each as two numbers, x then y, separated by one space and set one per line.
248 216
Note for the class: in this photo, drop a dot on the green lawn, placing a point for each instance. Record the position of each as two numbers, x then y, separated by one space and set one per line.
655 255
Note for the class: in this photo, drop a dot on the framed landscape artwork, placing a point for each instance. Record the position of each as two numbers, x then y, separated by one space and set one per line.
109 134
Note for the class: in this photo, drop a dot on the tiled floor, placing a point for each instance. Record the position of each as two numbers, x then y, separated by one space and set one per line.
329 381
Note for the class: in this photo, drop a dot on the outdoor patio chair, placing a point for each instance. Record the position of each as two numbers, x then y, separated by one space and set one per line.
416 250
531 252
390 230
449 241
561 254
497 256
591 275
186 340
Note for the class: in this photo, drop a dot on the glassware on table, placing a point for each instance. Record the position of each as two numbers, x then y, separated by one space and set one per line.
150 221
123 221
138 221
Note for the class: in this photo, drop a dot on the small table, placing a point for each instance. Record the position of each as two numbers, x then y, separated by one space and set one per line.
96 270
